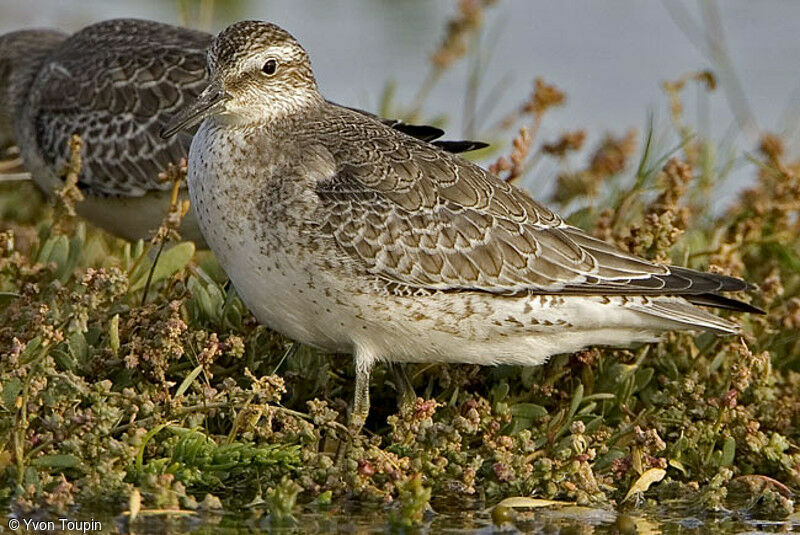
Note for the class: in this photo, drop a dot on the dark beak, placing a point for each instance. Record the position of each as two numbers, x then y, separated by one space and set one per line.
210 102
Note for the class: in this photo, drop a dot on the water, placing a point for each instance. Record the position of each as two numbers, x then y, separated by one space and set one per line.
350 518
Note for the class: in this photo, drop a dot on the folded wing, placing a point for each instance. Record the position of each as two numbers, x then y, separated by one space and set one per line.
422 218
115 84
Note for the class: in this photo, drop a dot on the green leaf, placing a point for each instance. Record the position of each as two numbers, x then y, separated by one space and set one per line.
46 251
643 377
56 461
169 263
64 360
78 347
718 359
500 391
127 260
11 389
577 398
138 249
325 498
138 275
524 416
60 252
529 411
728 452
66 269
113 334
604 461
187 382
207 306
31 350
55 251
593 425
140 454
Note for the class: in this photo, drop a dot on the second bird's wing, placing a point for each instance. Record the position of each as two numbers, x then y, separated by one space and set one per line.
116 84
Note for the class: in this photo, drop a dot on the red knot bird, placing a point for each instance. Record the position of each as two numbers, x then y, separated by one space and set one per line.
116 84
352 237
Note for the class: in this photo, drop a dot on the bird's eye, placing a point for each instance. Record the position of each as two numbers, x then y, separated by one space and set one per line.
270 66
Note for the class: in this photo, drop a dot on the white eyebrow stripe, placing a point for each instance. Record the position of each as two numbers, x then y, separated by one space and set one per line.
280 53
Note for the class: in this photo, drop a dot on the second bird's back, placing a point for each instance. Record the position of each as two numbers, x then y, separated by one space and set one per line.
115 83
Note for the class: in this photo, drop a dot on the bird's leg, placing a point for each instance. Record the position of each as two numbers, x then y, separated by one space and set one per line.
360 409
406 397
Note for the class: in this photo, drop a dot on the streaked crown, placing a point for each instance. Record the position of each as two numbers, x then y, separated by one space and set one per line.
241 40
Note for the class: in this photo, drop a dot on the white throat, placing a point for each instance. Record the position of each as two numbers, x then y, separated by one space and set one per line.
260 108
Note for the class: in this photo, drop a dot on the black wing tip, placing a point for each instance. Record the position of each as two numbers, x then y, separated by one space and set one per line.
423 132
752 309
733 284
725 303
460 146
725 283
431 134
711 283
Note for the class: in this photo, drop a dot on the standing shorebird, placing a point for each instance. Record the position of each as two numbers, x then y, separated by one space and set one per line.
116 84
352 237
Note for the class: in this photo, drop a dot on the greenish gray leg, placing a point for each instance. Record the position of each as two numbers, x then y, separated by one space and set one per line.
360 409
406 397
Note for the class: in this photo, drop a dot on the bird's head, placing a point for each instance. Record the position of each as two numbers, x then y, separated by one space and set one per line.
259 72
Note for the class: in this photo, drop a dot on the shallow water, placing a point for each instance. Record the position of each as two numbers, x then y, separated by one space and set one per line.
349 519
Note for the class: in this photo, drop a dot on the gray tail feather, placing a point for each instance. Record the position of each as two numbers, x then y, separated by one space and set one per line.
687 316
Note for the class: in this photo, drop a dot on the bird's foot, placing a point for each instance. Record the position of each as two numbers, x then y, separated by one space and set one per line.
406 397
352 439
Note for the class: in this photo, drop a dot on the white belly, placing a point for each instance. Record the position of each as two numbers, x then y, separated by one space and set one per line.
282 290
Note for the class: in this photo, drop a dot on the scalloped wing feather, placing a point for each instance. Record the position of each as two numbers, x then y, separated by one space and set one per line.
419 217
115 84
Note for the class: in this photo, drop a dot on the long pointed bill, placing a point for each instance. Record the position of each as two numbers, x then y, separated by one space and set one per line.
210 102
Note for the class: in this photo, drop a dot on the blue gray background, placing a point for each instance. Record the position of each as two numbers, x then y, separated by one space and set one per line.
610 56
